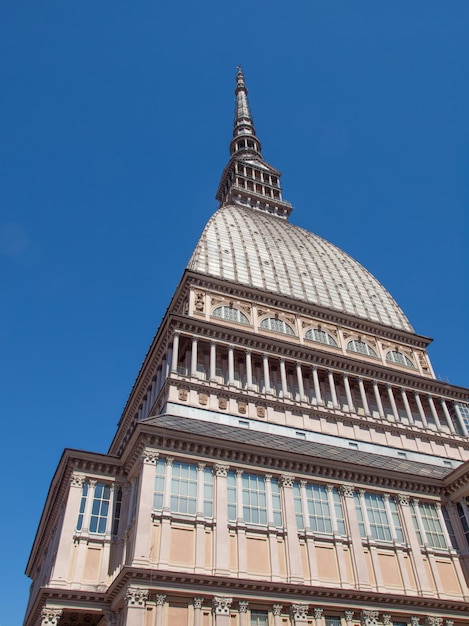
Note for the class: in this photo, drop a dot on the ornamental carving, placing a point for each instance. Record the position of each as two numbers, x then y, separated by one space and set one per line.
261 411
415 621
277 609
243 606
347 490
203 398
149 456
317 613
299 612
77 480
136 596
222 605
286 480
198 602
369 618
242 407
199 304
50 617
182 394
386 619
349 616
160 599
222 403
221 469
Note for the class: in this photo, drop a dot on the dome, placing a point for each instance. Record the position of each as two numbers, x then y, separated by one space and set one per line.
254 249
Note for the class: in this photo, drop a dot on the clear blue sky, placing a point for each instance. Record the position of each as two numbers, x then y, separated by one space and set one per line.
115 123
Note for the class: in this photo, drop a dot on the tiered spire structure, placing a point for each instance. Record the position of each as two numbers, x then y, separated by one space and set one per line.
248 180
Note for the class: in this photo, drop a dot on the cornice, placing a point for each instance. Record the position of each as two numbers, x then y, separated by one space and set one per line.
91 601
300 465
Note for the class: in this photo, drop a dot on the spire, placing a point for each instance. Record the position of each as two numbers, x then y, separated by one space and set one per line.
248 180
243 124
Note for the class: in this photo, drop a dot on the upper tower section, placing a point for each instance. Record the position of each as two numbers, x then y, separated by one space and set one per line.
248 180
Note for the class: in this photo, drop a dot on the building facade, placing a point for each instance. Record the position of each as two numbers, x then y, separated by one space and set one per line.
286 456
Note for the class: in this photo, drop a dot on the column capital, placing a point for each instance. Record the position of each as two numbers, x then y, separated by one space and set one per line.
277 609
50 616
299 612
198 602
243 606
268 478
386 619
169 460
402 498
239 471
222 605
201 466
433 621
221 469
369 618
349 615
150 456
347 490
303 482
111 618
286 480
317 613
160 599
415 621
77 480
135 596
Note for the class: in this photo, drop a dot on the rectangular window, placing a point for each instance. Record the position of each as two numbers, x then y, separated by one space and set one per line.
298 507
377 517
332 621
259 618
318 509
231 485
117 512
100 508
159 485
208 492
254 499
184 489
81 512
432 526
276 503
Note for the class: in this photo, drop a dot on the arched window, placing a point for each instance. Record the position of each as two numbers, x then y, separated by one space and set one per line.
393 356
361 347
314 334
226 312
276 325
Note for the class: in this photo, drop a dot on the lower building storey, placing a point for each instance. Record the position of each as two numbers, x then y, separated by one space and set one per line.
138 598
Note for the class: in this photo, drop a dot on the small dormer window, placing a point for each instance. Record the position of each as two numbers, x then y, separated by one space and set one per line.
315 334
277 326
394 356
361 347
231 314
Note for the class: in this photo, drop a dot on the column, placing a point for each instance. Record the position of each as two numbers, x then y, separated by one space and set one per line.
299 378
243 609
283 378
449 421
277 611
392 401
421 577
198 603
50 616
317 388
434 412
160 600
194 357
175 353
423 417
222 555
461 421
348 393
378 399
221 610
67 530
358 558
213 360
363 397
144 523
317 613
265 362
408 411
248 369
136 600
231 378
330 376
295 573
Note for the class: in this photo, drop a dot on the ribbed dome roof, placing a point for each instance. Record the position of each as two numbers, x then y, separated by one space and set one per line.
255 249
